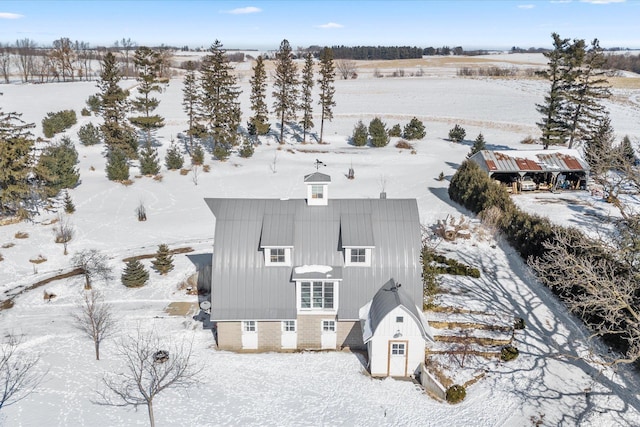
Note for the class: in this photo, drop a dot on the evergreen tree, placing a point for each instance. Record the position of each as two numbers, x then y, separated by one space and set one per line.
56 168
69 207
478 145
147 62
89 134
378 132
553 127
414 129
327 88
246 150
191 102
305 96
163 262
285 86
220 92
113 109
627 151
598 149
197 156
16 145
149 163
587 88
395 131
259 122
360 134
173 159
117 165
457 133
135 275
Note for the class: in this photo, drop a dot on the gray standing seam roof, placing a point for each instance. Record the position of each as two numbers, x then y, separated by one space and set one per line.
243 288
317 177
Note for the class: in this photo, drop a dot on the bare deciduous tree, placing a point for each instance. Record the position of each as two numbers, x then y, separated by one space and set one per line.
63 232
150 367
93 263
94 317
18 378
346 68
5 62
26 51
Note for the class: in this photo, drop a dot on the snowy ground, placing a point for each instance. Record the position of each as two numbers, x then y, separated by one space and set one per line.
546 382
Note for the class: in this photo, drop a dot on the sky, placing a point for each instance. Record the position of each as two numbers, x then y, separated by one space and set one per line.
264 24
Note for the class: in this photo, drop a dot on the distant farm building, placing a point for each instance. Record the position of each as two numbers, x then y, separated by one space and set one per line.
535 169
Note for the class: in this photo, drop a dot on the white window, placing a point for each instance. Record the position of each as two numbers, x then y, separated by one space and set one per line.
397 349
328 326
249 326
277 256
399 319
317 295
357 257
288 326
317 191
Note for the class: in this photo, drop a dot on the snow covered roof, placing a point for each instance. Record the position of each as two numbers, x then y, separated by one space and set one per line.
243 288
561 160
316 272
390 296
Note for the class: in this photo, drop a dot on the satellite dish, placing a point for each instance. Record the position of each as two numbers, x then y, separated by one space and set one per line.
205 305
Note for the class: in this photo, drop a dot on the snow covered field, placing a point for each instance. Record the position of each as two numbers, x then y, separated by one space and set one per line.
547 382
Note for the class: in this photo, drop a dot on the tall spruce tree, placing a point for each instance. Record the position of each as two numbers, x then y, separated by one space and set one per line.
586 90
552 125
191 102
56 167
627 152
16 144
149 163
259 122
598 149
306 86
219 96
147 62
327 87
378 133
285 86
478 145
173 159
113 109
135 275
163 262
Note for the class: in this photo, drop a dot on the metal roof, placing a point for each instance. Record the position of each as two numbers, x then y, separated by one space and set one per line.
243 288
277 231
317 177
390 296
510 161
356 230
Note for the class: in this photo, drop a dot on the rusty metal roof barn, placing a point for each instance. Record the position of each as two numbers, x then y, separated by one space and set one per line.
532 161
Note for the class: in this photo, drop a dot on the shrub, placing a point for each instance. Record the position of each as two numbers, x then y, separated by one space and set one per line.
58 122
518 323
360 134
197 157
508 353
94 103
396 130
402 144
456 394
474 189
378 132
246 150
173 159
89 134
134 275
414 130
441 176
221 152
69 207
529 140
85 112
457 134
21 235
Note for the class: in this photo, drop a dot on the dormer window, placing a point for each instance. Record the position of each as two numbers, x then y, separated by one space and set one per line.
277 256
357 257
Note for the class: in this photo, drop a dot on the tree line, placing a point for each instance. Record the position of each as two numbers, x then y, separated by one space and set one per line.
376 52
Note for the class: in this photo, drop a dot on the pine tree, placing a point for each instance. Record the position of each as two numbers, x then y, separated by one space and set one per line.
197 156
478 145
191 102
598 149
285 86
56 168
457 133
16 145
305 96
173 159
147 62
149 163
360 134
327 88
553 127
69 207
220 92
135 275
414 129
378 132
626 150
587 88
259 122
113 109
117 165
163 262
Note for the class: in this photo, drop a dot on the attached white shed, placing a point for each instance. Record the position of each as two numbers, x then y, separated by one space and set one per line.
395 332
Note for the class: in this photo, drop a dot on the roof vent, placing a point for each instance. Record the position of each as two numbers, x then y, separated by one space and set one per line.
383 195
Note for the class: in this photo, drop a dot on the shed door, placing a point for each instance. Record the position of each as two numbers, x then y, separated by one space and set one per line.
328 336
398 358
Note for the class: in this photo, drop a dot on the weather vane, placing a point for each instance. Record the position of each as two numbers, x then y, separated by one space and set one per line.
319 163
